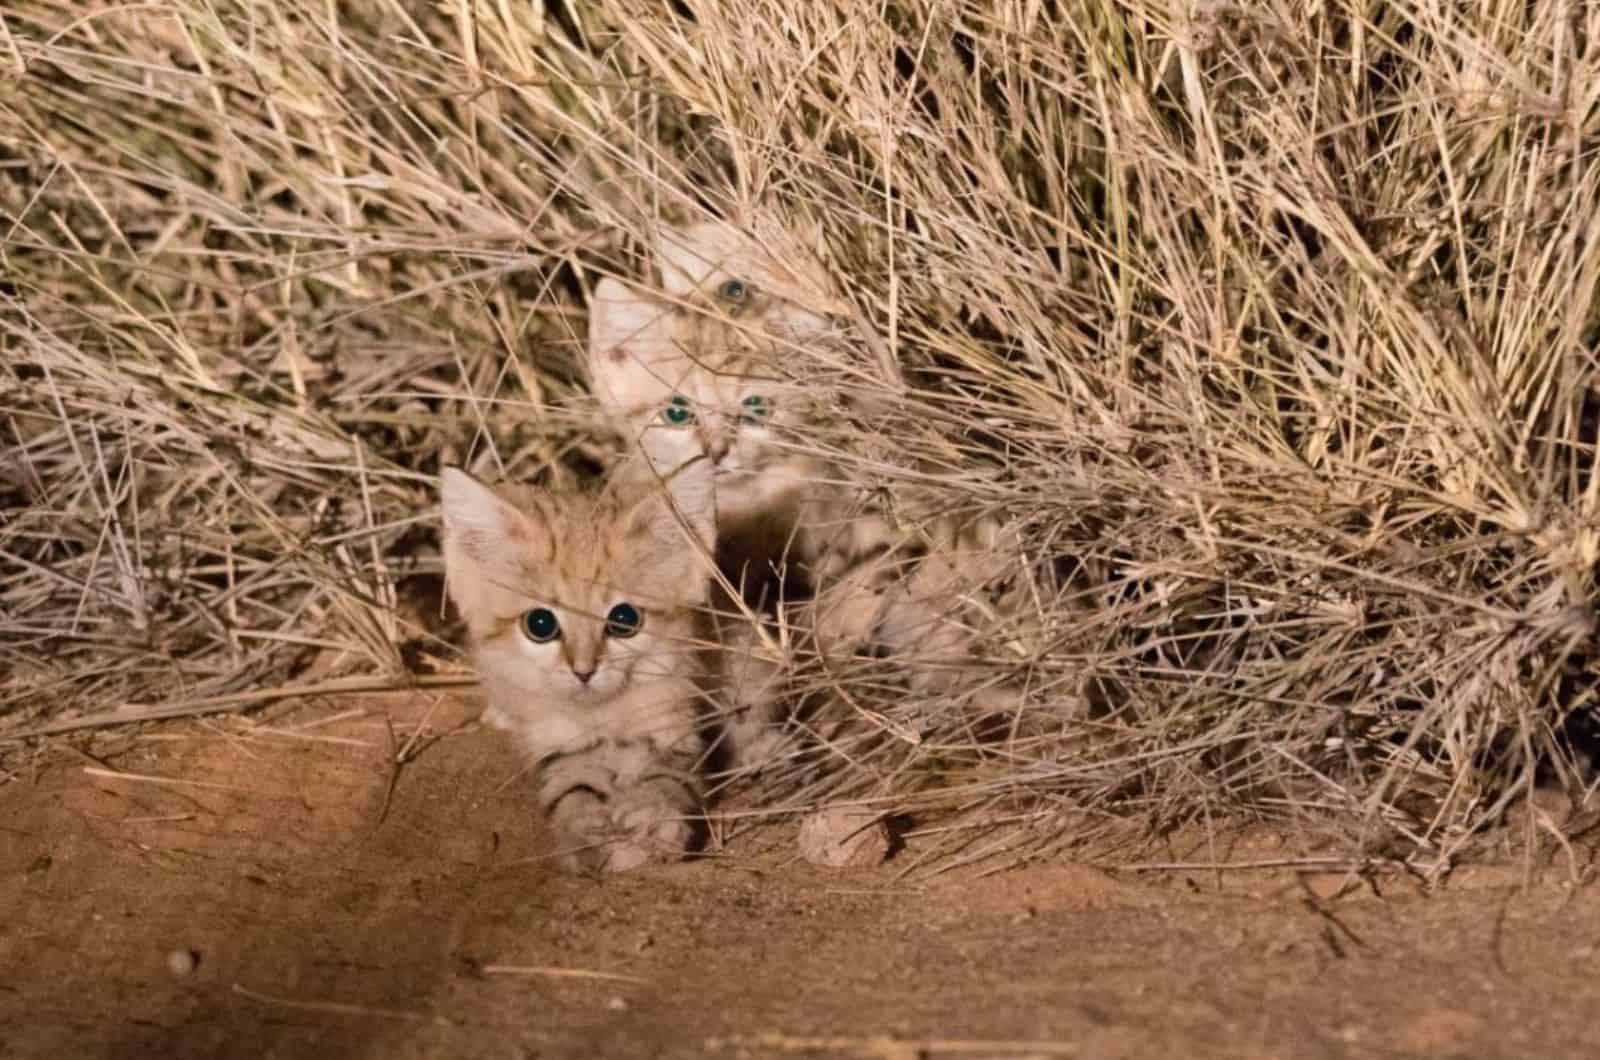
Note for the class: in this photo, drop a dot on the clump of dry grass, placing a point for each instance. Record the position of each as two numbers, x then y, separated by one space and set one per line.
1270 328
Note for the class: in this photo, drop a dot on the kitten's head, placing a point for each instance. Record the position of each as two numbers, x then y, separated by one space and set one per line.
578 598
693 372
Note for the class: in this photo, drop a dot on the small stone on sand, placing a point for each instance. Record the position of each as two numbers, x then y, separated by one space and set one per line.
837 837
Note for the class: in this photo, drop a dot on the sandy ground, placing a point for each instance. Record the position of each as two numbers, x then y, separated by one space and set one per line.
337 908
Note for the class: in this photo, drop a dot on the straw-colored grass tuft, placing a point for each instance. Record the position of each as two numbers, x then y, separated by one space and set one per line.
1268 331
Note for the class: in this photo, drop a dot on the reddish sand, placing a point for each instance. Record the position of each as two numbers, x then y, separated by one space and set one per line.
336 908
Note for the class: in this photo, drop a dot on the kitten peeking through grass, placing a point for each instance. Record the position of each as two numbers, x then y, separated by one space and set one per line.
585 613
694 371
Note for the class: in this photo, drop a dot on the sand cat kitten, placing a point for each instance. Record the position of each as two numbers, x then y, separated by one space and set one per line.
691 373
585 617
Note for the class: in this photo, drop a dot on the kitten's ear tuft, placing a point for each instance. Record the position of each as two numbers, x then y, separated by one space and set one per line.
478 525
691 255
657 524
465 502
619 318
487 544
631 338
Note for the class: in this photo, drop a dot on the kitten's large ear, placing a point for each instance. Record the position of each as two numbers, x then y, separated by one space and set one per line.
690 255
619 319
485 539
628 333
666 523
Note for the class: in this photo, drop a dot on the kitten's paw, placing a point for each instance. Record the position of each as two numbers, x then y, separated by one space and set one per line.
652 825
625 842
583 858
584 833
654 822
651 842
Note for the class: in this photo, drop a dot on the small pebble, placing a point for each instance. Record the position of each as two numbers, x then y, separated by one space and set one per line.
617 1004
837 837
182 962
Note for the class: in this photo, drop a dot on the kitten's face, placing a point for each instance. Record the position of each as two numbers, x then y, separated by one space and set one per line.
692 374
576 600
740 423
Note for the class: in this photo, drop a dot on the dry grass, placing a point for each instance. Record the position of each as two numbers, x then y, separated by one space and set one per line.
1273 327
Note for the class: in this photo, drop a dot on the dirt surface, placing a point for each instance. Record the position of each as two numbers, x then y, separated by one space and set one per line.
334 907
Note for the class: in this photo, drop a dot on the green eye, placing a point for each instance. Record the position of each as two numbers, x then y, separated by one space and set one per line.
756 408
733 291
623 620
540 625
678 411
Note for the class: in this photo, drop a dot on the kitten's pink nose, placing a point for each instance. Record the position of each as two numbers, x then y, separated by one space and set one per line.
582 675
716 449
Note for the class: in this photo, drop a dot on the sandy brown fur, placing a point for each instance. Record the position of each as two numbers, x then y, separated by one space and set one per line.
611 720
792 526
